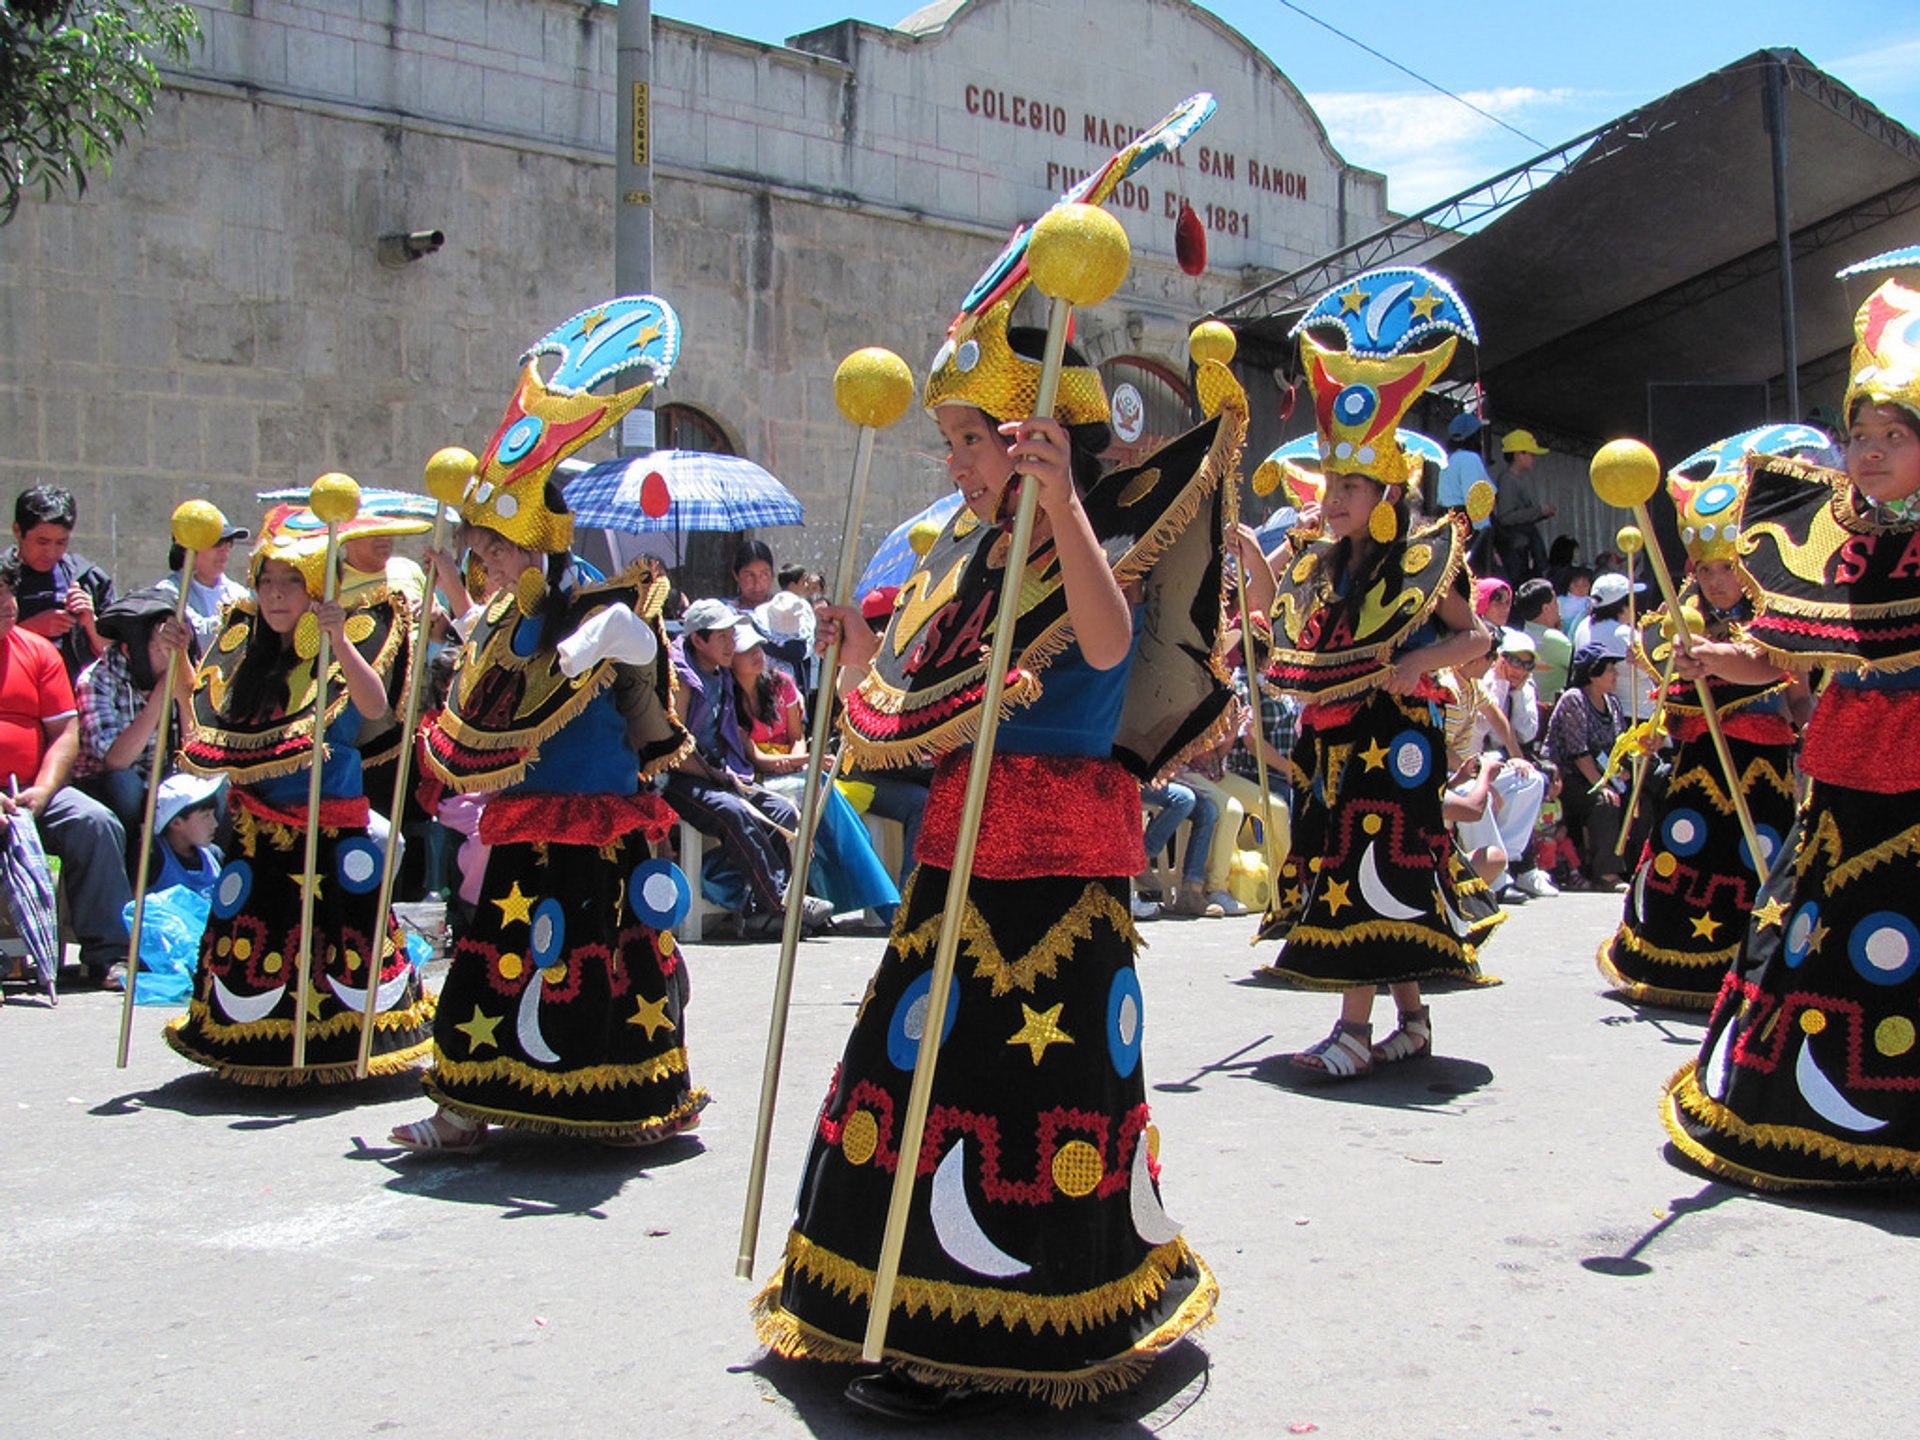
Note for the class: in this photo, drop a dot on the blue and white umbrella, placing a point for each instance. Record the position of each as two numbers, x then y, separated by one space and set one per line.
678 490
893 561
30 897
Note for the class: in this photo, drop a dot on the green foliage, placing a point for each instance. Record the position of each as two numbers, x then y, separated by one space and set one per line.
76 77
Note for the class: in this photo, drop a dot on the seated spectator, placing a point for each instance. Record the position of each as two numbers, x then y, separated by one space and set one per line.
844 871
120 701
39 736
1585 722
1573 587
1206 774
809 585
1493 603
899 793
1466 805
1605 625
752 574
1176 802
1536 609
59 591
1476 718
1509 685
209 588
715 788
185 816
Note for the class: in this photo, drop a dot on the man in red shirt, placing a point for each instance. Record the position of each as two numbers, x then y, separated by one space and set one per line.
39 735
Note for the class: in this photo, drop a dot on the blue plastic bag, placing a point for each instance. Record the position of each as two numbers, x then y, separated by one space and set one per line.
170 929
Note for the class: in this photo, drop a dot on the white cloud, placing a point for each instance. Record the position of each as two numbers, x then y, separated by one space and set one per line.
1430 146
1886 74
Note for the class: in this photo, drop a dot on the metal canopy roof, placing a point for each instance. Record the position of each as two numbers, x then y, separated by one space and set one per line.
1647 251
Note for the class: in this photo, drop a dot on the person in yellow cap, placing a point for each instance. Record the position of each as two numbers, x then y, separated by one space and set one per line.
1518 510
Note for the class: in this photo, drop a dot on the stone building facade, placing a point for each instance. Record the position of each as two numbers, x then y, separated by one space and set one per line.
214 318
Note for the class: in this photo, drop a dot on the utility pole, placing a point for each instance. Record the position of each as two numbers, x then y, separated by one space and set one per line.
633 185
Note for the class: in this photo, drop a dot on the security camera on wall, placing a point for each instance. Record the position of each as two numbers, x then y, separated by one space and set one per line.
402 248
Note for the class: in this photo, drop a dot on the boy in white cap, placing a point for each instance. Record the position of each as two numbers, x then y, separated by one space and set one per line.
185 816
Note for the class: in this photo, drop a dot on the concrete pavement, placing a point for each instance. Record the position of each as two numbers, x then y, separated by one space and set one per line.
1491 1243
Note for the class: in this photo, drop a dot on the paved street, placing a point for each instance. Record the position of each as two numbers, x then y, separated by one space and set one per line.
1491 1243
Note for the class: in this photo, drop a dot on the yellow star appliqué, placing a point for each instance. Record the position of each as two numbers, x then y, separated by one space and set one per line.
1817 936
648 334
479 1030
1041 1030
1352 300
1337 896
591 323
1375 755
651 1015
515 907
314 880
1771 913
1425 305
1704 926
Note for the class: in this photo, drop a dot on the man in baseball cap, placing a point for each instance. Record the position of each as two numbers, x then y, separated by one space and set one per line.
1518 510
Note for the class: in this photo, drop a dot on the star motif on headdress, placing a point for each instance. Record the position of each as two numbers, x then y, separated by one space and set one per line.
1704 927
1337 896
515 906
1352 300
646 335
1425 305
1375 755
591 323
479 1029
651 1015
1771 913
1042 1029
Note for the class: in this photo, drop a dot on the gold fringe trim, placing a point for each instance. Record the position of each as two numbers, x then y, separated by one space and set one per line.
1075 926
1683 1092
394 1062
984 1305
1364 931
341 1023
567 1082
1227 724
1826 834
696 1101
1706 779
1645 994
1706 959
789 1336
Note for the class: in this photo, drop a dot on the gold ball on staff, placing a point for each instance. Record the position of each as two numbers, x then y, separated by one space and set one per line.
197 524
334 498
873 387
449 472
1079 254
1630 540
1211 340
1625 473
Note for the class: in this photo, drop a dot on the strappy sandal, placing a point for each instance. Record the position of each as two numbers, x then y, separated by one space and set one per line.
1346 1054
442 1133
1412 1041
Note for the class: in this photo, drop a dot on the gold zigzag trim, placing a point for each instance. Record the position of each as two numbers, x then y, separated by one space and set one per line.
1683 1091
1642 993
984 1305
394 1062
792 1337
340 1023
564 1082
1704 959
1076 925
1706 779
1826 834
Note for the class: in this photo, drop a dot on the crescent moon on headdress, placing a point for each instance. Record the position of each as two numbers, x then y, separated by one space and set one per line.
1150 1219
244 1010
1825 1097
1374 891
956 1229
354 997
527 1025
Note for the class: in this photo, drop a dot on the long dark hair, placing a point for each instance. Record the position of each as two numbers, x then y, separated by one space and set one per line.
766 700
1330 565
259 686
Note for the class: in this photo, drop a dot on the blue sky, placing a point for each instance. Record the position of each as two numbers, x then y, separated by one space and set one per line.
1549 68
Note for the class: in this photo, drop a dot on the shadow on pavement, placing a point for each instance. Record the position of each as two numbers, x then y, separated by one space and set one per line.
1178 1380
259 1107
1677 1026
1627 1264
526 1176
1439 1080
1224 1065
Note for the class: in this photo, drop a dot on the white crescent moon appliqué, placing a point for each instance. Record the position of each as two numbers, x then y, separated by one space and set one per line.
1825 1097
1720 1063
955 1228
1150 1219
527 1026
1461 925
354 997
1374 891
244 1010
1640 896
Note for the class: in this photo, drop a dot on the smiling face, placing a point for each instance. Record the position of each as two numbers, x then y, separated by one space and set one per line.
977 460
281 592
1883 452
1347 503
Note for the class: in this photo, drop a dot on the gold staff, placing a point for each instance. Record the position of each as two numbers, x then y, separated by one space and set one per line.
447 475
1212 340
1625 473
1078 255
1632 540
872 388
196 527
334 500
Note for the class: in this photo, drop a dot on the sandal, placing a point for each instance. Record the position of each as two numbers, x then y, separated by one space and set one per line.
1346 1054
1412 1041
442 1132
